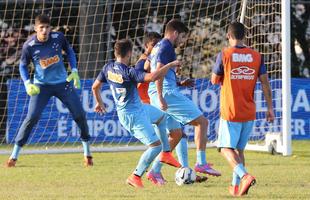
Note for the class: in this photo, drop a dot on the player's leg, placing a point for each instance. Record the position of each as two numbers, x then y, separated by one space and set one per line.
175 132
142 129
36 105
229 137
185 111
247 180
159 118
68 96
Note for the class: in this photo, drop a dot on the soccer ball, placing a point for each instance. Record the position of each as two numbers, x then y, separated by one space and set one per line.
185 176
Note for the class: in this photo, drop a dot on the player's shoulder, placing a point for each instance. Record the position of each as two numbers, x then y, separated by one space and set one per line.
30 42
165 43
140 64
108 65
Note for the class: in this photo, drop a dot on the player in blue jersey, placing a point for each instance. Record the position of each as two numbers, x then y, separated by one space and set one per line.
165 95
44 50
135 116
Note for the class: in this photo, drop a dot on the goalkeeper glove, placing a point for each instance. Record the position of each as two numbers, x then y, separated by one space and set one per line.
76 79
31 89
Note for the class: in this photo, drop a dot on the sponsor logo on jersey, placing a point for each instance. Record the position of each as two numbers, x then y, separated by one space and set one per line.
54 35
117 78
49 61
242 73
239 57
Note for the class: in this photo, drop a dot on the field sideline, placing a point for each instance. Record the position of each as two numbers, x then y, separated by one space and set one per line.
64 177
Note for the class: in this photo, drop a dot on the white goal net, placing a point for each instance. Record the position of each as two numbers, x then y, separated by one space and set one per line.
93 26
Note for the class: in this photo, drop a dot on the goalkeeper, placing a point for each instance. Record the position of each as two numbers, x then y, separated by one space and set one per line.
44 50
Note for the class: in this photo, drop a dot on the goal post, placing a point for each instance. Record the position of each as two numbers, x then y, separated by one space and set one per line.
278 141
93 26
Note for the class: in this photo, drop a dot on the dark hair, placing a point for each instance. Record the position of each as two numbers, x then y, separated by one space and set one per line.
122 47
236 30
176 25
151 37
42 19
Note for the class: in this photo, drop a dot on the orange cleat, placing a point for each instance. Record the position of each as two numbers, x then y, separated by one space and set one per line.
233 190
167 157
134 181
11 162
246 182
88 161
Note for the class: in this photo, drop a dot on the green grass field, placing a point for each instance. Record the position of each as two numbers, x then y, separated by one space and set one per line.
64 177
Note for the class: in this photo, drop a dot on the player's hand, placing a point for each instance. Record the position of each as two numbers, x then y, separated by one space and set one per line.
76 79
187 83
162 104
99 108
270 115
32 89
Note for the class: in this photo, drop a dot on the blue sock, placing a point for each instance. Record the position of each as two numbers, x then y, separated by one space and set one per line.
86 148
201 157
15 152
240 170
161 132
182 152
146 159
157 165
235 179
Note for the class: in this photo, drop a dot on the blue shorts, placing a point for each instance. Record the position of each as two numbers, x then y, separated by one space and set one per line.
139 124
180 108
154 113
234 135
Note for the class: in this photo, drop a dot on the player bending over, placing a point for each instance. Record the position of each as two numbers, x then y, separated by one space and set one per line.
136 117
237 69
44 50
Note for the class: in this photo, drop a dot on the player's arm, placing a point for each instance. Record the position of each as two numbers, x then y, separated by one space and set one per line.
161 71
263 77
72 62
217 76
159 87
31 89
186 83
96 88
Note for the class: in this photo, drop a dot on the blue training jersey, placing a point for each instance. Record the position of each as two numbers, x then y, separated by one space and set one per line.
123 84
163 53
47 58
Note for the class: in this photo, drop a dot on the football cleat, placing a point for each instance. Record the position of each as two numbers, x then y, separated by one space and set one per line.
156 178
206 169
134 181
88 161
246 182
11 162
167 157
